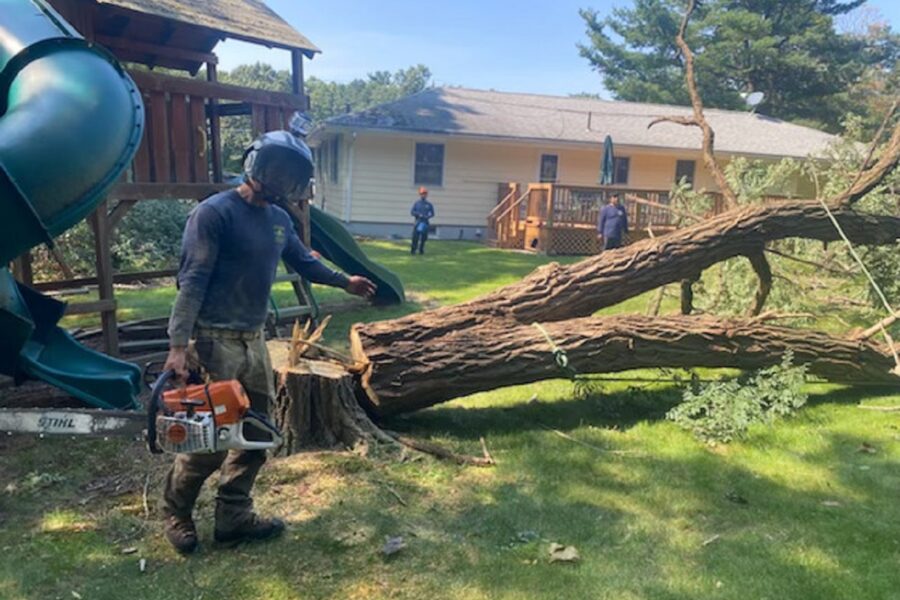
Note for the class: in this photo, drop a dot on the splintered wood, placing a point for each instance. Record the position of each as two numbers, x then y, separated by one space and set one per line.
304 341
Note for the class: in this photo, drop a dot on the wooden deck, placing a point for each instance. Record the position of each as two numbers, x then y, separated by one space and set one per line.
560 219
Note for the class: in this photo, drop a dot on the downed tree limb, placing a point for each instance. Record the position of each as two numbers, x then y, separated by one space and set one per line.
555 292
878 327
443 453
811 263
403 375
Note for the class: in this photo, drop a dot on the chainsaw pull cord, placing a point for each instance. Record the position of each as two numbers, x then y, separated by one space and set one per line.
154 407
559 355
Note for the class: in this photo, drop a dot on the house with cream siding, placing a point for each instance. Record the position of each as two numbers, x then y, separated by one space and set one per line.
464 145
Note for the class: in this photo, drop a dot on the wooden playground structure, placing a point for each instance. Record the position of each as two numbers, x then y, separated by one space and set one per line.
180 155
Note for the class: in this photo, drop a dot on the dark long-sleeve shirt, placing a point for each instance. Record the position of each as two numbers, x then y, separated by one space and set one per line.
422 210
613 221
229 255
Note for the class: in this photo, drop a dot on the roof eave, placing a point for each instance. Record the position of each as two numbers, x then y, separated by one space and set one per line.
321 133
308 51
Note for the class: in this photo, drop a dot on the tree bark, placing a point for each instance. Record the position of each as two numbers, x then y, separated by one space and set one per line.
316 407
764 274
687 294
403 375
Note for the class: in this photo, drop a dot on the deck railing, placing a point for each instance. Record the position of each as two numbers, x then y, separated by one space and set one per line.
562 219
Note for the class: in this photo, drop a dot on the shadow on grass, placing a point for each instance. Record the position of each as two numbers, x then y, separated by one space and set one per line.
621 409
616 410
658 526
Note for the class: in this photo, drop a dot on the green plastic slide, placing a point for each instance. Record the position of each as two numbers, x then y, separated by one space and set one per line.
70 122
332 240
33 347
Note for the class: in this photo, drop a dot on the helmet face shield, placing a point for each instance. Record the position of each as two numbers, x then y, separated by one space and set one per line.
282 166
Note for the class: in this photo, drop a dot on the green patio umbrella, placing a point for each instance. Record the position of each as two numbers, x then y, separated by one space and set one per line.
608 163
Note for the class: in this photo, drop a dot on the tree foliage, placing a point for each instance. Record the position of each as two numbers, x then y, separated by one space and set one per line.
327 98
722 411
788 49
147 239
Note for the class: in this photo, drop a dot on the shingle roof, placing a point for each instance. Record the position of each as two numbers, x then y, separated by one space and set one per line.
243 19
536 117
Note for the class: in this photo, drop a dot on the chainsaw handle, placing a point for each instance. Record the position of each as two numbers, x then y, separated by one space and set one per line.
154 407
262 423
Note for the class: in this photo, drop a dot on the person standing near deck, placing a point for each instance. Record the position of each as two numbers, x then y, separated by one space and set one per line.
232 244
422 211
613 223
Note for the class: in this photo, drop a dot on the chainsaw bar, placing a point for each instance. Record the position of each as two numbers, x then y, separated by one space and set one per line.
74 421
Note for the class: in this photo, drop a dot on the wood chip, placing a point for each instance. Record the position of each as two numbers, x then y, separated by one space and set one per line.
561 553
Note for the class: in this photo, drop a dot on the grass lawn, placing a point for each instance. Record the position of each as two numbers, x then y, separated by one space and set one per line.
805 509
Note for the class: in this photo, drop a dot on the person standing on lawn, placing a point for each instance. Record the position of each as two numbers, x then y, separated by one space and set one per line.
231 247
422 211
613 224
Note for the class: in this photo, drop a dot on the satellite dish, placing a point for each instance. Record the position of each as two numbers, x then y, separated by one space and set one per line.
754 98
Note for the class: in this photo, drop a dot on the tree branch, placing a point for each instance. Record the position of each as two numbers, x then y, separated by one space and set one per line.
764 273
676 120
877 327
699 120
869 178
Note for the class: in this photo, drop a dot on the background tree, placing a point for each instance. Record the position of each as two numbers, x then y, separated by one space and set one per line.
791 50
328 98
331 98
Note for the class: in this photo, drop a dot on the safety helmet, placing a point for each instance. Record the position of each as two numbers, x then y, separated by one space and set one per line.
423 190
280 163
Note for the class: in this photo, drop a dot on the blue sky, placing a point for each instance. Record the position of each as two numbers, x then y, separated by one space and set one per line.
507 45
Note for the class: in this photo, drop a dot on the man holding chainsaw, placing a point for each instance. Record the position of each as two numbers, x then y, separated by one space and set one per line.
232 244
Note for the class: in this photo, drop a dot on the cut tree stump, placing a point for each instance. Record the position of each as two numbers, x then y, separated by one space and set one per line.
316 405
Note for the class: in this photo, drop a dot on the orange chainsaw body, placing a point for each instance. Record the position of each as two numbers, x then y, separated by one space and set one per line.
226 400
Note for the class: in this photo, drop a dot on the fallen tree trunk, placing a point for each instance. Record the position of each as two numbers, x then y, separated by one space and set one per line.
555 292
404 375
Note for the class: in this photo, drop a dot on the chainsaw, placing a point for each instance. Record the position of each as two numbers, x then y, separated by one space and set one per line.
195 419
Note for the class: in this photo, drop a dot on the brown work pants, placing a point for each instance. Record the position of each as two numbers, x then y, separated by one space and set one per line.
225 355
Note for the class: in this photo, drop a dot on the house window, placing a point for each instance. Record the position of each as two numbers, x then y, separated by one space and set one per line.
334 159
429 164
317 162
549 168
684 169
620 170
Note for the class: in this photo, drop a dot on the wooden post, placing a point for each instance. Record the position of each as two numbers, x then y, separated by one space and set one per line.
215 135
297 75
22 269
102 236
551 203
305 234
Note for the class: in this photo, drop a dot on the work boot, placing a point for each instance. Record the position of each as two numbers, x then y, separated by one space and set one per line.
182 534
255 528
